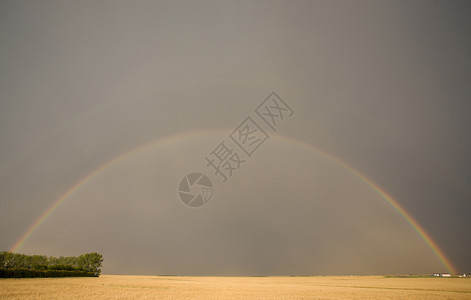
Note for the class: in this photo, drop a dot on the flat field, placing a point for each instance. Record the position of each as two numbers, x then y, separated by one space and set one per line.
182 287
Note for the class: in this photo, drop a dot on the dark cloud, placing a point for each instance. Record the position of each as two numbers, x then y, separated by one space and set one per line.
384 86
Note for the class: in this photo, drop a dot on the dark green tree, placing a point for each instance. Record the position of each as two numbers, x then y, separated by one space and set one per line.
21 265
91 262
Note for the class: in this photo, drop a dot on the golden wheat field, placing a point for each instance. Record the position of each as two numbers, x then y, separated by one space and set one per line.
180 287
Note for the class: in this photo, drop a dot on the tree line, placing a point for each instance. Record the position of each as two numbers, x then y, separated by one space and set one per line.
22 265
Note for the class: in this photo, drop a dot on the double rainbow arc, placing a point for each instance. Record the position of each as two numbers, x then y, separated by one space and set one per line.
179 137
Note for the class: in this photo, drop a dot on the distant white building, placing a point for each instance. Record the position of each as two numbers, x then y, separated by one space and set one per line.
441 274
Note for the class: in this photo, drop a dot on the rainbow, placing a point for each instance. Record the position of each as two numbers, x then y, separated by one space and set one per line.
192 134
415 225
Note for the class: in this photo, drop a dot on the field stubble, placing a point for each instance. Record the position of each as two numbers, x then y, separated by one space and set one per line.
183 287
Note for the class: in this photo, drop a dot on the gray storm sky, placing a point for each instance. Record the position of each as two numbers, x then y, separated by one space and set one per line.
382 85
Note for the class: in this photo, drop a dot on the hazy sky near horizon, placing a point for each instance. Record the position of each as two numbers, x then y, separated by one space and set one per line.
383 86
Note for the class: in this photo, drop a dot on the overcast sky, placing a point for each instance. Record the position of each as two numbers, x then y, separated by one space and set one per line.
384 86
